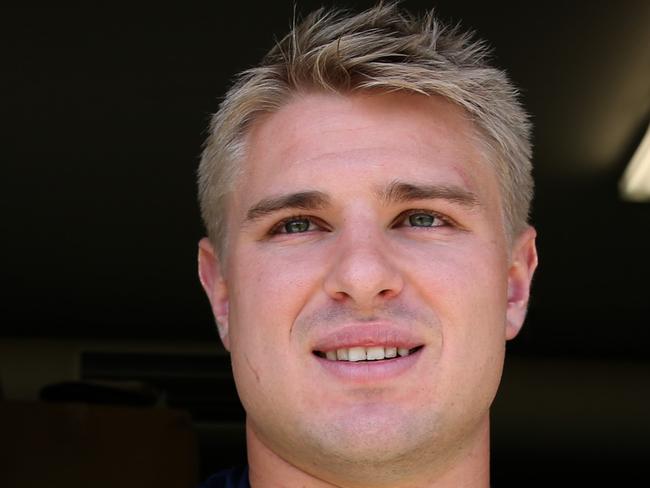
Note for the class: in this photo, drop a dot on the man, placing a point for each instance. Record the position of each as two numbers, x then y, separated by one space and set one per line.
366 192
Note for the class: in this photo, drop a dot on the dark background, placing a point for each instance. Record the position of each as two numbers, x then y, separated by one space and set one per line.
104 111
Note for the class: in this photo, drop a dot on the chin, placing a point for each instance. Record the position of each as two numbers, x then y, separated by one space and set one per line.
374 435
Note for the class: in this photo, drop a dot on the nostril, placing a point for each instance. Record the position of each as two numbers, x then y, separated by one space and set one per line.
340 296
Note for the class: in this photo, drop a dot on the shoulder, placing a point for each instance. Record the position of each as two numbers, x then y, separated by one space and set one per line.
229 478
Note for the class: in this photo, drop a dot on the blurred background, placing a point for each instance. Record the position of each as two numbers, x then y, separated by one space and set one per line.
110 365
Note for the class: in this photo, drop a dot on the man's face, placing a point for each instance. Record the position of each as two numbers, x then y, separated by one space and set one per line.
367 225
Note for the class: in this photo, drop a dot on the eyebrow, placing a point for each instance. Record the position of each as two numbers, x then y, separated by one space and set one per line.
304 200
395 192
400 192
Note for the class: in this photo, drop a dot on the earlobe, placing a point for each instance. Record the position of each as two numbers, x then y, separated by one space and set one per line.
214 285
522 267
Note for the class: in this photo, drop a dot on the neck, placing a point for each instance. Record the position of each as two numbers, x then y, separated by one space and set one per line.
469 467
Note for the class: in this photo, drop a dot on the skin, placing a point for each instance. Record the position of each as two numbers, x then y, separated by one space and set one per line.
456 287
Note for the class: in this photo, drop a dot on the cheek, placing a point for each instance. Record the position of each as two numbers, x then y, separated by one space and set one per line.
466 286
467 291
268 294
271 287
464 279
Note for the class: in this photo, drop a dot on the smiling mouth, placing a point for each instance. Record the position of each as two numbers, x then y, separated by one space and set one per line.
367 354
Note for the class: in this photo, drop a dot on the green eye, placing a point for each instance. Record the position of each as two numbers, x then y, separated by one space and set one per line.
296 226
422 220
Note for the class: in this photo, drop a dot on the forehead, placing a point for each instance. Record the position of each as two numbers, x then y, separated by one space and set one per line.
317 139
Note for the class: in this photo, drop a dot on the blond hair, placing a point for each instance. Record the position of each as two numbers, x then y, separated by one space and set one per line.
383 48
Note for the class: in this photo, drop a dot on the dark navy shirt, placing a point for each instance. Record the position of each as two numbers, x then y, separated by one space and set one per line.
230 478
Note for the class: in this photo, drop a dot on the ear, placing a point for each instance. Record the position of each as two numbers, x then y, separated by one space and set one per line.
523 262
214 284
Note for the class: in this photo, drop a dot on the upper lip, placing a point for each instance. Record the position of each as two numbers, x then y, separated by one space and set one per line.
366 335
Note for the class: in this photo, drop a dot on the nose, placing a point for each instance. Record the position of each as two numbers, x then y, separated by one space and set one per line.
362 272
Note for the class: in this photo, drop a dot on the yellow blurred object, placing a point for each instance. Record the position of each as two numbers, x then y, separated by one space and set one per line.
635 184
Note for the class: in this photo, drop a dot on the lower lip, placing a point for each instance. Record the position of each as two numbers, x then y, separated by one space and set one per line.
370 371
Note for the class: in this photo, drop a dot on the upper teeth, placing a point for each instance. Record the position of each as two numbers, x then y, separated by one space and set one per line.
365 353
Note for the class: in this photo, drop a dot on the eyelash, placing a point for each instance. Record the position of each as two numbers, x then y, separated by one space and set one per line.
446 221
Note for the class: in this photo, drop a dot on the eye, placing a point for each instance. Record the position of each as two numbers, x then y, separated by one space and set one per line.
295 225
420 218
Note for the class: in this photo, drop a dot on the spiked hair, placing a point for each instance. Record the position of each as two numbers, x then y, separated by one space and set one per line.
385 49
